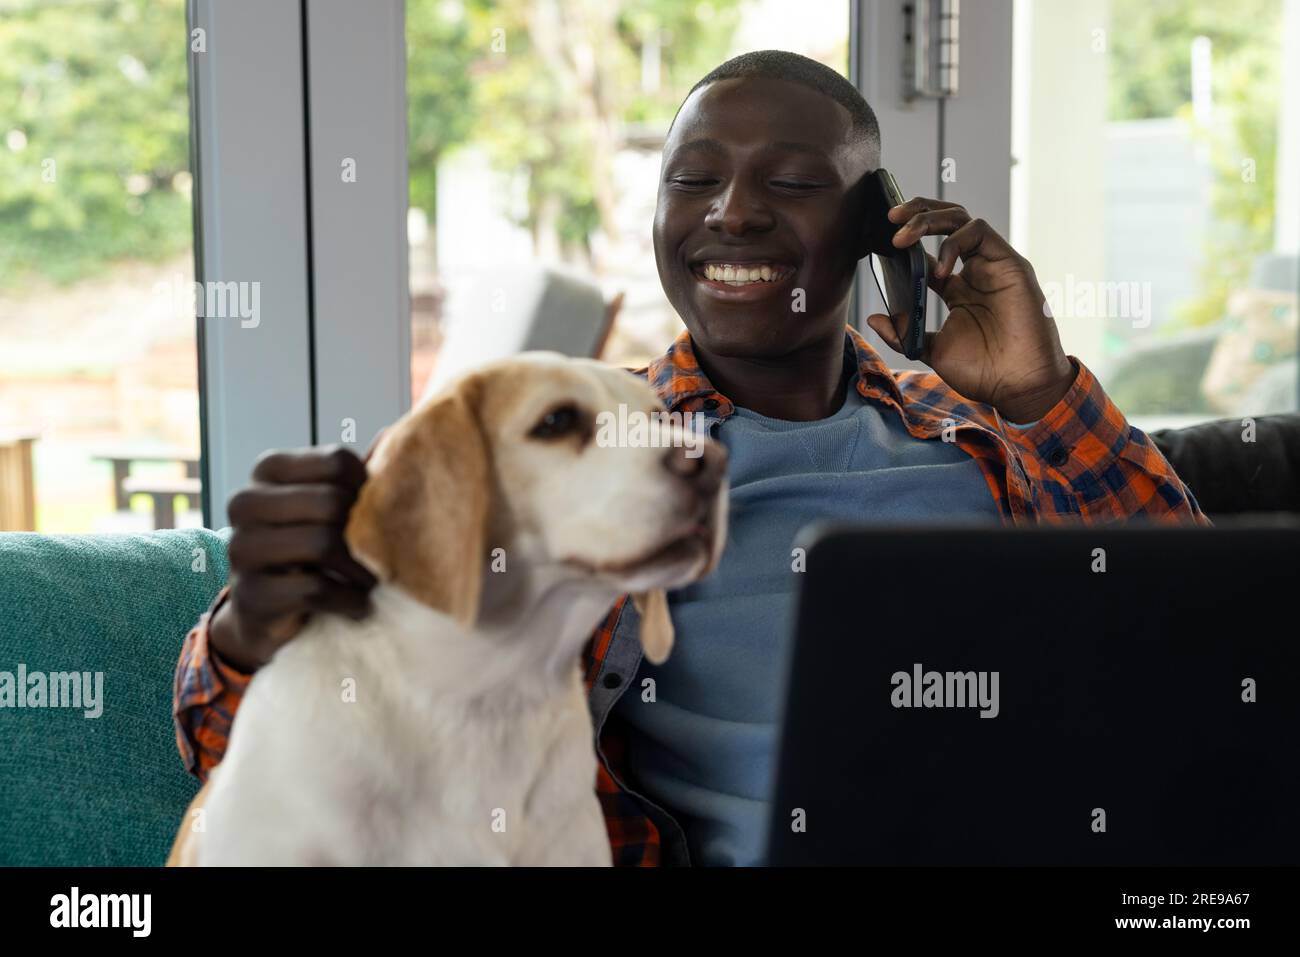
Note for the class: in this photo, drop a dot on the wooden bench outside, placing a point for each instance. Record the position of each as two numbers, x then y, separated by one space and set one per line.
163 492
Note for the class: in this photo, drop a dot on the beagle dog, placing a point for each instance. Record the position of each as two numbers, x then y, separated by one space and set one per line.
451 726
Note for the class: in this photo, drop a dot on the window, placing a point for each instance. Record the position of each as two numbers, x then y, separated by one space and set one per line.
534 137
1158 149
99 408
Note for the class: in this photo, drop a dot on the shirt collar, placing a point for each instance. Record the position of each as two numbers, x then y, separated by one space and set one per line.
680 382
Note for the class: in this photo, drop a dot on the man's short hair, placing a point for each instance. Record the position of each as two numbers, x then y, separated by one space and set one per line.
784 65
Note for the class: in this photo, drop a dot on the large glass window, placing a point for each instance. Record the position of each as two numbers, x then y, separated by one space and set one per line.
99 408
535 129
1157 193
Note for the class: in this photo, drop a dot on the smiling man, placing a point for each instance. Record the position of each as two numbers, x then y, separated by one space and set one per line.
757 234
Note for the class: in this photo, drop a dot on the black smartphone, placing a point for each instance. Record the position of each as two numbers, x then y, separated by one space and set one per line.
901 274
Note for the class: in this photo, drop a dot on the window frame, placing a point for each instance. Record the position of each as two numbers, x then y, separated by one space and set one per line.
279 92
250 215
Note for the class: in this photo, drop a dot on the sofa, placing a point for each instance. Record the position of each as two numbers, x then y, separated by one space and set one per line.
107 790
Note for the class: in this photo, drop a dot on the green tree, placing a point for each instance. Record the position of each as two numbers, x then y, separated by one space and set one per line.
692 39
99 89
555 82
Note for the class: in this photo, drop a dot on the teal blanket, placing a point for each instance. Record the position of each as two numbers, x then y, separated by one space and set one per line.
94 623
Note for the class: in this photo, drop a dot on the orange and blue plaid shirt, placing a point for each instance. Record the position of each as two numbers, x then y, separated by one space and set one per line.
1081 461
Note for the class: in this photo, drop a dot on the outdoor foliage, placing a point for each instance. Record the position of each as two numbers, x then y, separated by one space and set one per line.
545 86
101 90
548 87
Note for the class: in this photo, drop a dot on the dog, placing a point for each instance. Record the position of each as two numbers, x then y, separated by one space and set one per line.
451 727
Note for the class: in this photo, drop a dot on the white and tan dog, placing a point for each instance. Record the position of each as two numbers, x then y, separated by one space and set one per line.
451 726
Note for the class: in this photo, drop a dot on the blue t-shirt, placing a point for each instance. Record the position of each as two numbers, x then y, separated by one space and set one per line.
704 749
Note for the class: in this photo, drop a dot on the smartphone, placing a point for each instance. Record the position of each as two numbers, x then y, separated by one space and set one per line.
901 274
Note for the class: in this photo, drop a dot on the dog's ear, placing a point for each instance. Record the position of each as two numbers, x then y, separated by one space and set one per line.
656 624
421 518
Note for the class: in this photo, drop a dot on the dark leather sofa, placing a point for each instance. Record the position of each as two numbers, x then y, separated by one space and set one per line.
1230 476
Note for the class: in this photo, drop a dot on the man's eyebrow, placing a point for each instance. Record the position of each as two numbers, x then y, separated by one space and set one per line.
709 145
787 146
704 145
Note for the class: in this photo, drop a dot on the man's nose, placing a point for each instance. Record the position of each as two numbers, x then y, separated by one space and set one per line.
738 212
703 465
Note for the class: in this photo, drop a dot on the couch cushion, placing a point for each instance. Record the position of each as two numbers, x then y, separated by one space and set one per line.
106 790
1232 476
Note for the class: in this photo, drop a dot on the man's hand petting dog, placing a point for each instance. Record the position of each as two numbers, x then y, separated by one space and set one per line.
999 345
287 554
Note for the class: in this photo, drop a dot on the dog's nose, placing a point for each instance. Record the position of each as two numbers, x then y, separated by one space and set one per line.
703 465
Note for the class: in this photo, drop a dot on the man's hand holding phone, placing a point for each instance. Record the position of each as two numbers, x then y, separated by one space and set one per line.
999 345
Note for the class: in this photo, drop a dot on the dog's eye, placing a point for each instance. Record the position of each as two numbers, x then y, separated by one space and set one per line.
560 421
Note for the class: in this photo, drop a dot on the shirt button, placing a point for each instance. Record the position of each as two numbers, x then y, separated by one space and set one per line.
612 680
1058 456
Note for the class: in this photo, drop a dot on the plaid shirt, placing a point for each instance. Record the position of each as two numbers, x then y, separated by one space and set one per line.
1081 461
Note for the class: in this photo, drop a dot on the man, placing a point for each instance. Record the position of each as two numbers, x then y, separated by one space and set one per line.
762 185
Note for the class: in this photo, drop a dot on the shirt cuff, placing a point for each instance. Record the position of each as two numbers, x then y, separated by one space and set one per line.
204 663
1080 436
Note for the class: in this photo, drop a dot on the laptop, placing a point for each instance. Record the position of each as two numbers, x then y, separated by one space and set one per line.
1117 695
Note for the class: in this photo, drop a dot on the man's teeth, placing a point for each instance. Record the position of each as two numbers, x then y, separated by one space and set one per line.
743 274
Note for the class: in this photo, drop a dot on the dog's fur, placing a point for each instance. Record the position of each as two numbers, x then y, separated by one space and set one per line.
451 725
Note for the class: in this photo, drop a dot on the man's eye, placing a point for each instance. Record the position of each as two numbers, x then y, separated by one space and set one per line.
791 184
559 422
692 182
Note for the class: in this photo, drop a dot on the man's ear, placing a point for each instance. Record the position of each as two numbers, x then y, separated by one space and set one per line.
866 232
421 518
656 625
